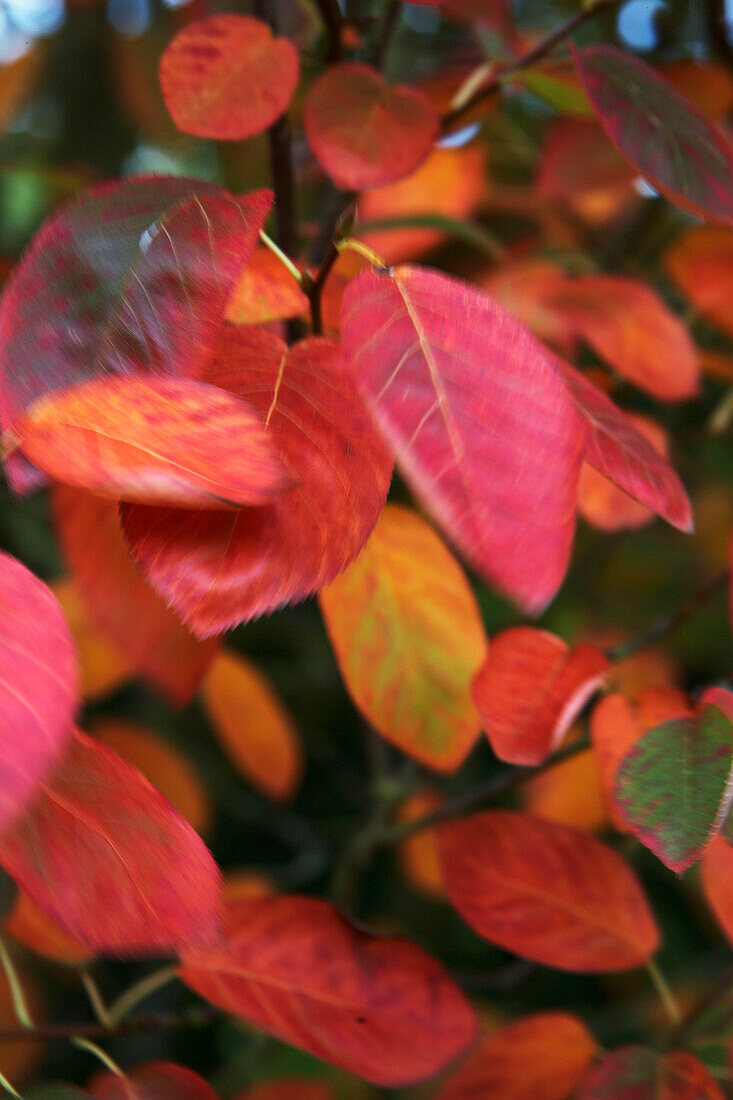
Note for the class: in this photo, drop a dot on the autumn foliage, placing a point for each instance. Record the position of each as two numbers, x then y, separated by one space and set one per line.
430 341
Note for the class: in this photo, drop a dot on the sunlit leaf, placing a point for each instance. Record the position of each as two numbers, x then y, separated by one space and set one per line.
221 568
478 418
635 1073
671 144
253 725
99 831
226 77
377 1006
38 686
530 690
543 1055
119 603
364 132
265 291
408 637
546 892
167 441
674 788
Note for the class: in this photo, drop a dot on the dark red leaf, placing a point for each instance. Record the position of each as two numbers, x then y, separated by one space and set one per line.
635 1073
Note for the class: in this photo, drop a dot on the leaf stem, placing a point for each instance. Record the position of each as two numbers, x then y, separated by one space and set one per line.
138 992
665 993
284 260
101 1055
481 239
9 1088
20 1005
95 999
351 244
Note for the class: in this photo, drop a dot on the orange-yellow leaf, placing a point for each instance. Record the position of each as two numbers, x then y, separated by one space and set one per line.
408 638
253 725
570 793
419 853
35 930
701 263
101 667
265 291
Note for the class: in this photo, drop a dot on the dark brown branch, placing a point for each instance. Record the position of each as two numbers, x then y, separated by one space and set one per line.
198 1016
333 22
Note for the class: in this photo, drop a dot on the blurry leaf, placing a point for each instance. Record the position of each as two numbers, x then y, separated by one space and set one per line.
17 78
671 144
226 77
111 861
239 885
35 930
569 793
450 182
408 637
118 601
547 892
364 132
152 1081
167 441
377 1006
530 690
701 263
38 686
566 98
526 290
221 568
602 503
265 291
716 878
101 667
252 725
132 276
580 166
290 1088
164 766
674 788
441 367
619 451
635 1073
706 83
418 853
542 1056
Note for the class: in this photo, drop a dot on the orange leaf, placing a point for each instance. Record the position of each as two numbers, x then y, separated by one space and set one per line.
167 441
364 132
225 77
101 667
530 689
540 1057
377 1006
253 725
408 637
570 793
602 503
701 263
419 853
119 603
265 291
547 892
716 877
34 929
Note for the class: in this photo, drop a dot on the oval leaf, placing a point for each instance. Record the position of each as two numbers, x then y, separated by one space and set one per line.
377 1006
701 263
408 637
530 690
716 877
39 685
543 1055
221 568
547 892
225 77
168 441
673 146
153 1081
441 368
675 786
615 448
99 831
364 132
634 1073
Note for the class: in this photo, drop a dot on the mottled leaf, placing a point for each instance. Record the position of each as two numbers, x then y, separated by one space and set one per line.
111 861
635 1073
377 1006
530 690
364 132
407 633
38 686
547 892
674 788
478 418
226 77
221 568
671 144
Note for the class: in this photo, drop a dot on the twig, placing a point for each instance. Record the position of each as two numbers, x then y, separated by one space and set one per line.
333 22
139 991
538 51
199 1016
387 28
665 993
670 622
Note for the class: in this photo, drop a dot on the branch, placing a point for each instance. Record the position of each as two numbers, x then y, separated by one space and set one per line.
198 1016
540 50
333 22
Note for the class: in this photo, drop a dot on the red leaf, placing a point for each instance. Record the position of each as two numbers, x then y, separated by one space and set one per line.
152 1081
716 877
619 451
288 1088
376 1006
265 291
602 503
364 132
530 689
167 441
408 637
480 422
547 892
221 568
662 134
634 1073
131 276
701 263
118 601
540 1057
225 77
110 860
39 684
